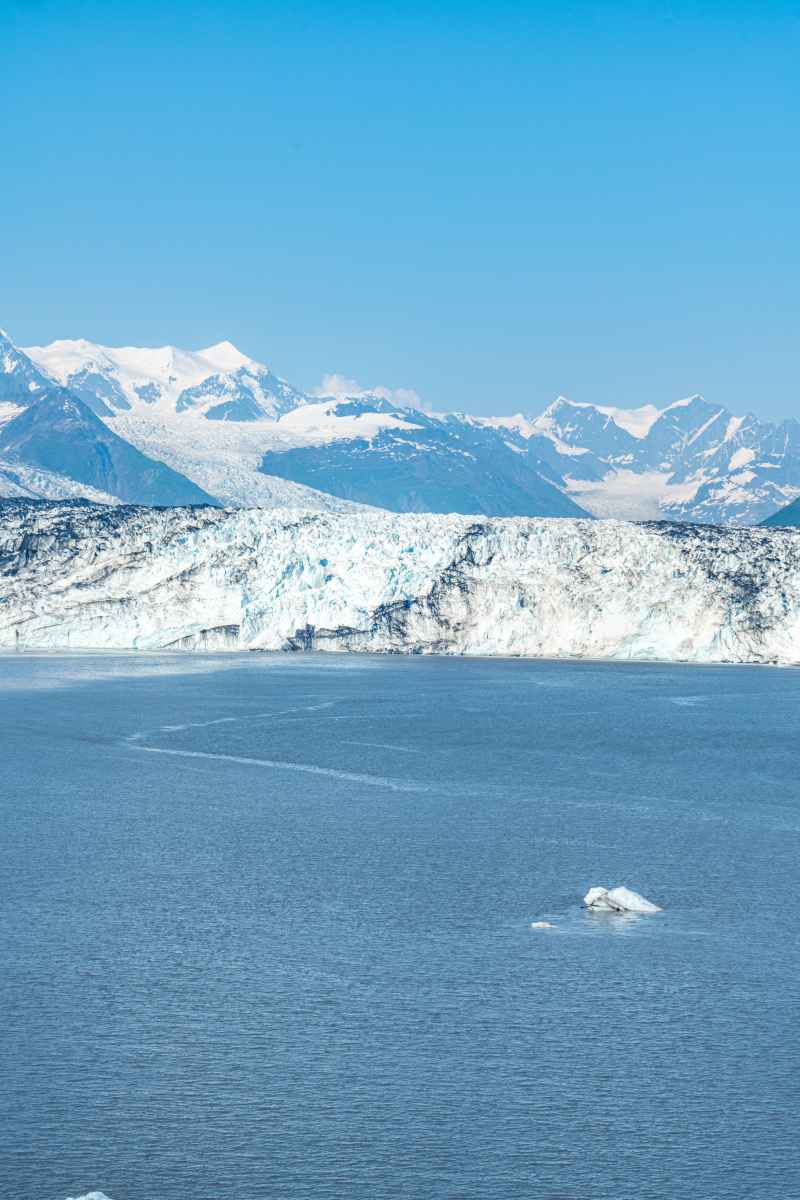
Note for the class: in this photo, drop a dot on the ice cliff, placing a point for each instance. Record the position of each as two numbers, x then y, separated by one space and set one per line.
80 575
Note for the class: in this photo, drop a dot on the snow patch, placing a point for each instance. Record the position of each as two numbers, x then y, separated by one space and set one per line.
733 428
8 411
636 421
741 458
318 424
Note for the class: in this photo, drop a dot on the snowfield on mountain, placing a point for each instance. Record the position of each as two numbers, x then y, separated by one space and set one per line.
218 383
691 460
82 576
338 453
245 437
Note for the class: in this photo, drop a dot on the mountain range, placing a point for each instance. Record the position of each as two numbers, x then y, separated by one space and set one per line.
170 427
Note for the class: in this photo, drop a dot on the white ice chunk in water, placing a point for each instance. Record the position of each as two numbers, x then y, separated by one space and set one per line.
91 1196
631 901
619 900
541 925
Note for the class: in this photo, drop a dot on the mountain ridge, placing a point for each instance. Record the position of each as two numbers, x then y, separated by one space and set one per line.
218 383
248 437
61 434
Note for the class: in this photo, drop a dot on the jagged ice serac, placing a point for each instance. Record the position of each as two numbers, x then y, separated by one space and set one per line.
82 576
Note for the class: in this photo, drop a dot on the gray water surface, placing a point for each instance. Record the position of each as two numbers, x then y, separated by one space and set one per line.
267 929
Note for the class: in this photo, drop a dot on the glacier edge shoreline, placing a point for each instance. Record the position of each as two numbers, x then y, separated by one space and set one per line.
84 576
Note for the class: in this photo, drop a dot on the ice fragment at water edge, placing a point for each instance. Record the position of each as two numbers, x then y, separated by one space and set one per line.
619 900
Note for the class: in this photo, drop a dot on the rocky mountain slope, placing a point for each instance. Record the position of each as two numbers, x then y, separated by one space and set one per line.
178 407
77 575
789 515
413 462
244 436
60 435
692 460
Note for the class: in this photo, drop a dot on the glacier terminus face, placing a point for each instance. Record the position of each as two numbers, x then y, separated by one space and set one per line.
77 575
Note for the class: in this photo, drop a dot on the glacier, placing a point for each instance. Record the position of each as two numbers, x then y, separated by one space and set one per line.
224 457
77 575
248 438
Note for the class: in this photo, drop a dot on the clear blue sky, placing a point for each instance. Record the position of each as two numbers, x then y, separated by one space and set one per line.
490 204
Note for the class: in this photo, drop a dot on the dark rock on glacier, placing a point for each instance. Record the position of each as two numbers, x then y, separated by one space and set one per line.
80 575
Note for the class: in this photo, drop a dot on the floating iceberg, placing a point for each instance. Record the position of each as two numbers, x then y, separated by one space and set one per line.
618 900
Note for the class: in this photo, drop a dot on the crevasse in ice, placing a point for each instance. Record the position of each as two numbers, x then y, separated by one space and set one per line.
85 576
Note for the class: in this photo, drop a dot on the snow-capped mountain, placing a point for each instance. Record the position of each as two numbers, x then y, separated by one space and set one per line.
81 576
691 461
71 452
219 383
247 438
19 378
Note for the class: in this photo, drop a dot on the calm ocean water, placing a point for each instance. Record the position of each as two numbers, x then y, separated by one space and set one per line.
267 929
